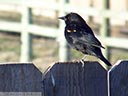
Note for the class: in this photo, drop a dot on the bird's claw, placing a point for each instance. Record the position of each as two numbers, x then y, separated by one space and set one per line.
82 61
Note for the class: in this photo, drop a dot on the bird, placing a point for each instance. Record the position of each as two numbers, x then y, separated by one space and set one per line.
80 36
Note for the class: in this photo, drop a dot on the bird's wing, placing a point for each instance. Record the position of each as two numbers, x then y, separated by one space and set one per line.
91 39
87 38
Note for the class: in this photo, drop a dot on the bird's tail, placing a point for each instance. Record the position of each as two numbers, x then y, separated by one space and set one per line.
105 60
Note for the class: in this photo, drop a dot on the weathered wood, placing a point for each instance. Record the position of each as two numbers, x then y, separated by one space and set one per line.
20 78
119 79
71 79
64 79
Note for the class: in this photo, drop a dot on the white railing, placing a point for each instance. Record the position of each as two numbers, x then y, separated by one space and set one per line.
26 28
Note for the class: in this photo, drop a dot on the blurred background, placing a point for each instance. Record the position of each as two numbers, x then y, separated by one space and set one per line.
31 32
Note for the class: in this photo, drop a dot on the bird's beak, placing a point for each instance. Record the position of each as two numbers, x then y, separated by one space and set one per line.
63 18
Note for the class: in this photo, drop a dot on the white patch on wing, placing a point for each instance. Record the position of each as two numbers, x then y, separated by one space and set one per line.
68 30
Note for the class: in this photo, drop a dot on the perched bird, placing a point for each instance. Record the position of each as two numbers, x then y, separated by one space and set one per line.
81 37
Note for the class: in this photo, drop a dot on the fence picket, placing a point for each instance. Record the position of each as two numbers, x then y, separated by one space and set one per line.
119 79
71 79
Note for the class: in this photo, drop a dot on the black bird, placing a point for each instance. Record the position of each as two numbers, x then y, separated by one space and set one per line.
81 37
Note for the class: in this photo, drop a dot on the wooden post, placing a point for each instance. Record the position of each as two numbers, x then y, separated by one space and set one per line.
105 27
26 38
64 50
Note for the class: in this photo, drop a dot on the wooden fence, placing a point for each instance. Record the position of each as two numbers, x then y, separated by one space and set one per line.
26 28
64 79
71 79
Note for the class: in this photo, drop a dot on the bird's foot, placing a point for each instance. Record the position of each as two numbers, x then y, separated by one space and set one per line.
82 61
79 61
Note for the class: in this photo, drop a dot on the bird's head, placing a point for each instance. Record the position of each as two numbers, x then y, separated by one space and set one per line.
73 18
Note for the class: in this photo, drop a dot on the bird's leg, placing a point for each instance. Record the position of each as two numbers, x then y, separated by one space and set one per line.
82 60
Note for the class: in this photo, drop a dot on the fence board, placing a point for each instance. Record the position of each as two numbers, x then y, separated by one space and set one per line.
71 79
20 78
119 79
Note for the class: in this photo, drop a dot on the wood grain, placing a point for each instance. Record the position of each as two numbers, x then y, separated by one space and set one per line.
71 79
